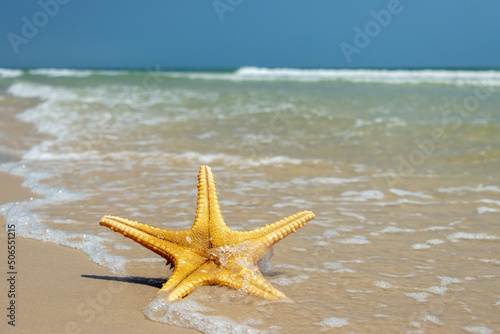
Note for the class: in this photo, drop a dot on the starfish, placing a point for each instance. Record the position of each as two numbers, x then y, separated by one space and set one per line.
210 253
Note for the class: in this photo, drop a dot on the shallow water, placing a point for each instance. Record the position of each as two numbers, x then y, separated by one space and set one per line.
400 169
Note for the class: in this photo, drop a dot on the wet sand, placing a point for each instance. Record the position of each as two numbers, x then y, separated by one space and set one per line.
58 290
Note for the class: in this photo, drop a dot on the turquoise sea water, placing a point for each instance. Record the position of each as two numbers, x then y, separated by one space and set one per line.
400 167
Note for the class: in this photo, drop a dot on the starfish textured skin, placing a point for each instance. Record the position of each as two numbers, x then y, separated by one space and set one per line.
210 253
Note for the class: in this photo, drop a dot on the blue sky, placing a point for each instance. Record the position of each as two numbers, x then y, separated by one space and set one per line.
235 33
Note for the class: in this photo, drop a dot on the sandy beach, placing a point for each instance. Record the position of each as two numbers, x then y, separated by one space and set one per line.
58 290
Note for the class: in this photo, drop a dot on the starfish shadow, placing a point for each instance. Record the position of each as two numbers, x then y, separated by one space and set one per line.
154 282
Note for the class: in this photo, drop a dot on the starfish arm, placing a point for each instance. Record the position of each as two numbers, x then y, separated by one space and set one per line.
209 224
244 277
271 234
201 276
199 230
182 270
150 237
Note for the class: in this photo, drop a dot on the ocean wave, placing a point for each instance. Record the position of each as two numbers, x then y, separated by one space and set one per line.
448 77
249 73
10 73
74 73
45 92
204 158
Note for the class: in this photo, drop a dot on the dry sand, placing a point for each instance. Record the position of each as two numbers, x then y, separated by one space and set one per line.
54 294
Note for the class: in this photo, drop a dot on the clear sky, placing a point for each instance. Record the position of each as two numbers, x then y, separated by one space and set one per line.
265 33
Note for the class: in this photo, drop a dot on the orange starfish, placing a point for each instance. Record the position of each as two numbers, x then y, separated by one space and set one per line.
210 253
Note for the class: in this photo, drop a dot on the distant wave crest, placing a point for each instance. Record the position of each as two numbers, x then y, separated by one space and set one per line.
412 77
374 76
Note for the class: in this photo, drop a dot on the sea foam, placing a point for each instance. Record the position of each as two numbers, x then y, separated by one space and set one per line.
189 314
394 77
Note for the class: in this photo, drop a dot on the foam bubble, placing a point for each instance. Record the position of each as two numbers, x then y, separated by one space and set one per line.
478 329
489 201
392 229
437 228
362 196
434 241
438 290
449 280
455 237
418 296
478 188
400 192
189 314
420 246
488 260
285 281
328 180
485 209
383 284
431 318
333 265
356 240
333 322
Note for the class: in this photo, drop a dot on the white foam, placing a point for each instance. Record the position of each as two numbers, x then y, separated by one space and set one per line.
438 290
495 261
207 158
286 281
362 196
328 180
356 240
333 265
478 188
28 225
455 237
392 229
489 201
431 318
45 92
294 267
333 322
449 280
418 296
60 72
459 78
10 73
434 241
420 246
437 228
358 291
383 284
400 192
189 314
337 267
475 78
484 209
478 329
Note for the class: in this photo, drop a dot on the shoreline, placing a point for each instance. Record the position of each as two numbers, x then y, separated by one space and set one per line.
58 290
